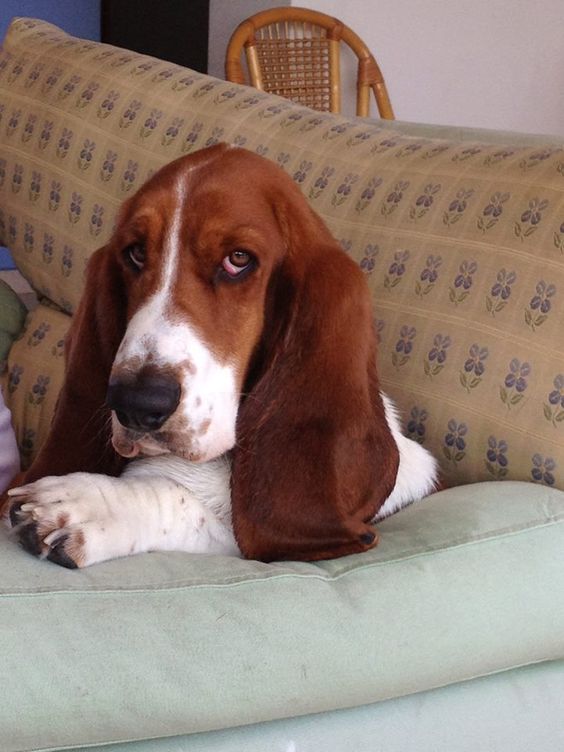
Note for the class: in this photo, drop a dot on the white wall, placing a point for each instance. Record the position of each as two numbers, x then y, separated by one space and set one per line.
225 16
482 63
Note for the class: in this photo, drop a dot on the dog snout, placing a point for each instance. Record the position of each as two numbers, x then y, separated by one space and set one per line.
145 403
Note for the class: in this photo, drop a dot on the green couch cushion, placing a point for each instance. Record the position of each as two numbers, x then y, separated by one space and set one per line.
12 318
466 584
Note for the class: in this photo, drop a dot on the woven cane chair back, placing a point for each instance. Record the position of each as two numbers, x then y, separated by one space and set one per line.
296 53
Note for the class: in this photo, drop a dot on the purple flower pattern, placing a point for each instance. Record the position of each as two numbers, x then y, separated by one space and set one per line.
369 260
404 346
75 207
150 123
454 448
68 87
428 276
321 182
29 237
215 137
38 335
499 155
538 157
554 406
393 199
129 176
192 138
416 426
64 143
500 291
496 458
96 220
301 173
516 381
457 206
29 128
543 469
492 212
540 304
344 190
530 218
39 390
474 367
87 95
424 201
171 133
359 138
368 193
86 154
396 270
559 238
35 186
460 289
14 377
108 104
45 136
66 261
130 113
13 122
47 251
468 153
55 195
437 355
107 170
17 178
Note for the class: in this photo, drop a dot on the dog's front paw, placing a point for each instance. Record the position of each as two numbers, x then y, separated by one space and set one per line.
50 519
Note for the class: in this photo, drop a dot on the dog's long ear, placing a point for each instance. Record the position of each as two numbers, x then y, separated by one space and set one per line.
79 439
315 458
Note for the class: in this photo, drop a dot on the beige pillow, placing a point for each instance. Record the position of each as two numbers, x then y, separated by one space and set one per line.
462 241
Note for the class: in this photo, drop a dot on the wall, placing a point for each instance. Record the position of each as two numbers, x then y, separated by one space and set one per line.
78 17
225 15
482 63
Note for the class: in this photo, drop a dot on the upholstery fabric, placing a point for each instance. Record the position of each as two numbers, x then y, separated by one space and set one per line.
34 374
461 240
12 317
519 710
465 584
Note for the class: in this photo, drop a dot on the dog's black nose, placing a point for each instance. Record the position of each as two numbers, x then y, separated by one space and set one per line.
145 403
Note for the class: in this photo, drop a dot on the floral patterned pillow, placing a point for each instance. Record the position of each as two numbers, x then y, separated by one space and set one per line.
461 237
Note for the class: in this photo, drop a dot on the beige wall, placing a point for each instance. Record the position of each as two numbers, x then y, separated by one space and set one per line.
482 63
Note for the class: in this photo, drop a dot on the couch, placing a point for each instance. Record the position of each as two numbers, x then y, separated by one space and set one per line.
450 634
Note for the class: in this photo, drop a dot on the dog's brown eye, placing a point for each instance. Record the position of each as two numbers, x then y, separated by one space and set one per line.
236 262
135 254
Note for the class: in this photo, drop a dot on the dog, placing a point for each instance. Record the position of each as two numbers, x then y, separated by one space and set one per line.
221 392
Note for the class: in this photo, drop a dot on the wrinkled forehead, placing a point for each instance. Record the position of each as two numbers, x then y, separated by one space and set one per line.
229 179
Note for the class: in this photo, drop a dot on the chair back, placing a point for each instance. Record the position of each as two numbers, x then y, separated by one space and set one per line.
295 53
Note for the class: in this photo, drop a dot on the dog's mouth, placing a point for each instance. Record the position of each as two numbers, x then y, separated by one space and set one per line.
130 443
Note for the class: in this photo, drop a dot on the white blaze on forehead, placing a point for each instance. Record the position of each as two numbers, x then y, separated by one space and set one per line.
209 398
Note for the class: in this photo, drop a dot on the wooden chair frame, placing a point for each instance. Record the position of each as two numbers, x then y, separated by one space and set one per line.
274 26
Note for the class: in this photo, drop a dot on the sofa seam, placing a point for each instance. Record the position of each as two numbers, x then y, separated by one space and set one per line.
328 579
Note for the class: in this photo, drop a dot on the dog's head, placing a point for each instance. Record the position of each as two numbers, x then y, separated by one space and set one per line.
198 248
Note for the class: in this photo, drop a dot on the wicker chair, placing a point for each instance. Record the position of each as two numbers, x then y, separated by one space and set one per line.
295 52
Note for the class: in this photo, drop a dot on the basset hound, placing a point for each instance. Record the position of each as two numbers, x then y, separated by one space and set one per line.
221 393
